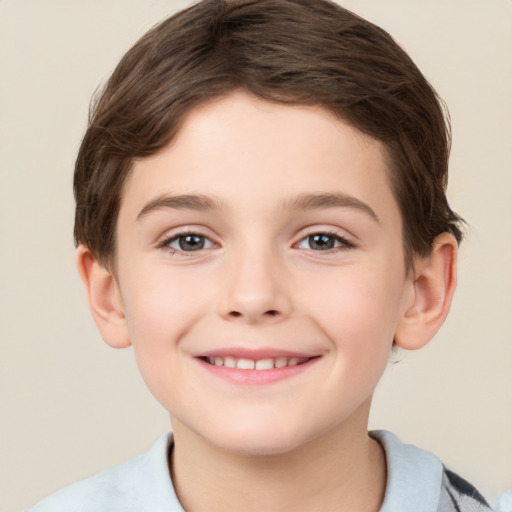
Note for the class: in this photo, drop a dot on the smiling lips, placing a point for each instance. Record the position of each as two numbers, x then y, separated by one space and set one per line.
260 367
258 364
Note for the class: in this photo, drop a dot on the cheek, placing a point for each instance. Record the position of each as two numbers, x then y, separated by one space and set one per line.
359 312
160 308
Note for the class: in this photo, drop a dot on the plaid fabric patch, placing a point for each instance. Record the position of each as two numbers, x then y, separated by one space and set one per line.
461 496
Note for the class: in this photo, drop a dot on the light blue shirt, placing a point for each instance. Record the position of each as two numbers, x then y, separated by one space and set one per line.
415 482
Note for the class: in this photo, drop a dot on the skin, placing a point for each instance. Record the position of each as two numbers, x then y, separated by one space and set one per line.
240 175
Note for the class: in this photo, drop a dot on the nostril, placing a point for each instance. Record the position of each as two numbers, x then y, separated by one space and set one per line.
269 313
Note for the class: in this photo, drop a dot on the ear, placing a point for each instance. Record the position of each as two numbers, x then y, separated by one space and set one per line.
433 285
104 299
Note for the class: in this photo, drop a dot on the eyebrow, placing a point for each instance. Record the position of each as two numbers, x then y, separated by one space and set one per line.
197 202
311 201
322 200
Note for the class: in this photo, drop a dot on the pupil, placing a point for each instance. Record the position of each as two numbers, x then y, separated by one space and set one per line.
321 242
191 242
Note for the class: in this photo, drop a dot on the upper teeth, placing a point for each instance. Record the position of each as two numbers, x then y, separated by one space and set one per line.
260 364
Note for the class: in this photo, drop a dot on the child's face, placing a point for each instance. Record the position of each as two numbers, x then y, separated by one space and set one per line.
264 233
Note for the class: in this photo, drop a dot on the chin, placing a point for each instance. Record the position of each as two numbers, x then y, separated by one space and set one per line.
258 440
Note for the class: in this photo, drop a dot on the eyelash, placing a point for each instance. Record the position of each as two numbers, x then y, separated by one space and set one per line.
166 243
344 244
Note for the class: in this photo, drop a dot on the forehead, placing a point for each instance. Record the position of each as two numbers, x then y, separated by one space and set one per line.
244 150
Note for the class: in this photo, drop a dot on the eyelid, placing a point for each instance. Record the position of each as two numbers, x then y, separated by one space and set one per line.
177 237
174 234
346 240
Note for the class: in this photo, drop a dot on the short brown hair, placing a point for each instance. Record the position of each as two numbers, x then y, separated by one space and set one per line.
300 52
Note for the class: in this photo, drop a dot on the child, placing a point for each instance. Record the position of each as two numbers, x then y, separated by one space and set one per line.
261 213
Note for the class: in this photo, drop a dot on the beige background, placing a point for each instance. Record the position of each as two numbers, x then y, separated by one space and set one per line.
70 406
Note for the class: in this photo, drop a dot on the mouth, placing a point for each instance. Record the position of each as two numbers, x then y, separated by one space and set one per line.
252 368
269 363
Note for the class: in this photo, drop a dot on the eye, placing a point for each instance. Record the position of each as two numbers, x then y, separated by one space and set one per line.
324 242
188 242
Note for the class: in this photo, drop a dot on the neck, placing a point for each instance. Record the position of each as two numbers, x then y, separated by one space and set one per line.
340 470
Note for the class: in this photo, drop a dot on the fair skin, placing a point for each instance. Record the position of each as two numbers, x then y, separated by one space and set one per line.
267 235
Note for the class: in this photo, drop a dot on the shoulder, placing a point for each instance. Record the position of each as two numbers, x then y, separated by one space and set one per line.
141 484
417 480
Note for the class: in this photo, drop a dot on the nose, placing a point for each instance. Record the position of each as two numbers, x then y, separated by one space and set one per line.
254 289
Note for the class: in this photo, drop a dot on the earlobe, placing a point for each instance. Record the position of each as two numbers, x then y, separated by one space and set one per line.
433 286
104 299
